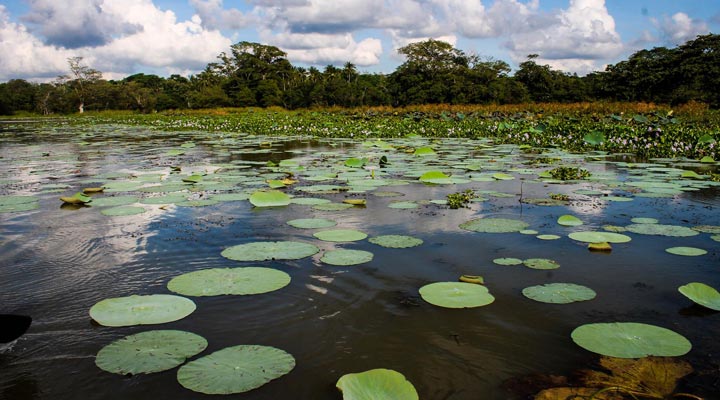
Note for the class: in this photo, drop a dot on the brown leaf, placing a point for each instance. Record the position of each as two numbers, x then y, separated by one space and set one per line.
649 377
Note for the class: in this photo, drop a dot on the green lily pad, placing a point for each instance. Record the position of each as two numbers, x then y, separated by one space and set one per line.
269 198
235 369
308 201
396 241
343 257
559 293
166 199
424 151
494 225
340 235
312 223
569 220
548 237
376 384
403 205
599 237
262 251
541 263
686 251
232 281
630 340
508 261
642 220
222 197
9 204
332 207
436 177
702 294
456 294
148 352
141 310
122 211
662 230
197 203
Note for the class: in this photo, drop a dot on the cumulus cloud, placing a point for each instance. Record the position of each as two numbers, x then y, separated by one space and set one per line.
680 28
326 48
215 16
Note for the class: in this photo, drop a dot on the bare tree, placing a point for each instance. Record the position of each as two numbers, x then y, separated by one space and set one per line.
80 80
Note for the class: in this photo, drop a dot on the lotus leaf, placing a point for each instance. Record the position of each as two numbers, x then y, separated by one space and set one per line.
376 384
197 203
436 177
507 261
396 241
714 229
503 177
548 237
424 151
195 178
702 294
270 198
340 235
541 263
14 203
569 220
640 220
686 251
494 225
309 201
403 205
559 293
630 340
234 281
332 207
456 294
77 198
114 201
122 211
166 199
148 352
312 223
662 230
235 369
230 197
355 162
262 251
528 232
141 310
599 237
343 257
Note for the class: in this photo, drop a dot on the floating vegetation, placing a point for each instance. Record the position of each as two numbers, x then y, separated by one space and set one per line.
396 241
376 384
270 198
569 220
141 310
599 237
630 340
229 281
312 223
345 257
569 173
559 293
702 294
263 251
340 235
686 251
541 263
662 230
508 261
494 225
460 199
456 294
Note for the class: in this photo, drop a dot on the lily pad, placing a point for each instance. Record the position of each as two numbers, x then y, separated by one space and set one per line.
340 235
456 294
332 207
541 263
396 241
569 220
376 384
403 205
148 352
599 237
494 225
232 281
686 251
308 201
662 230
507 261
312 223
630 340
343 257
269 198
141 310
262 251
559 293
436 177
122 211
235 369
702 294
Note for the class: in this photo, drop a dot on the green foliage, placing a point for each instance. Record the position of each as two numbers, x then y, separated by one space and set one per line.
460 199
569 173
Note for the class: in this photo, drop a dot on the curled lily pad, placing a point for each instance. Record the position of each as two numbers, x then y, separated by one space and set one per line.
541 263
559 293
569 220
262 251
345 257
599 237
148 352
122 211
630 340
234 281
456 294
702 294
269 198
312 223
376 384
235 369
662 230
396 241
494 225
686 251
141 310
507 261
340 235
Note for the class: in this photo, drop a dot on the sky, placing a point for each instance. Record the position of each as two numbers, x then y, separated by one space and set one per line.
163 37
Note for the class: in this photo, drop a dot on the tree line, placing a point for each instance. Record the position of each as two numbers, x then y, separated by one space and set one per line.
434 72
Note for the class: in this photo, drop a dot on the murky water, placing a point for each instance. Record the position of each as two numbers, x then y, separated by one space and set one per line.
56 262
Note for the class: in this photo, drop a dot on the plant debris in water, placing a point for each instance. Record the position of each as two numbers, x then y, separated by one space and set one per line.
569 173
460 199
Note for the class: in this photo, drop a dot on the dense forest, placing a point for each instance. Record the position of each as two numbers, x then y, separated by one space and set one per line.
434 72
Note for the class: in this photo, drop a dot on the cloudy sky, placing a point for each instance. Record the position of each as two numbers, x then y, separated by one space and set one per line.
163 37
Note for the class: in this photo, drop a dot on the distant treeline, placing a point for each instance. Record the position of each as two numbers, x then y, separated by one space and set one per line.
256 75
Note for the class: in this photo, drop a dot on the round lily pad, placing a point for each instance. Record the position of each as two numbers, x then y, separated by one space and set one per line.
332 207
686 251
541 263
148 352
344 257
702 294
456 294
643 220
166 199
235 369
141 310
559 293
223 197
122 211
548 237
507 261
309 201
376 384
269 198
113 201
662 230
396 241
599 237
262 251
569 220
312 223
197 203
235 281
403 205
340 235
494 225
630 340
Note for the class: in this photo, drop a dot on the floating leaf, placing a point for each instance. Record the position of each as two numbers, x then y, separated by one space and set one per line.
308 201
548 237
376 384
599 237
197 203
141 310
494 225
702 294
192 179
600 247
630 340
503 177
559 293
12 203
312 223
356 162
594 138
93 190
355 202
332 207
424 151
541 263
148 352
396 241
640 220
229 281
436 177
340 235
122 211
262 251
269 198
456 294
686 251
345 257
476 279
508 261
114 201
235 369
77 198
403 205
662 230
569 220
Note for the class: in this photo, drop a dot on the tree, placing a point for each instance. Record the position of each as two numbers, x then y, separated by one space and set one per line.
80 80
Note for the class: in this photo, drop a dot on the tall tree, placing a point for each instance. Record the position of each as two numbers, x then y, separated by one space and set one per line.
80 79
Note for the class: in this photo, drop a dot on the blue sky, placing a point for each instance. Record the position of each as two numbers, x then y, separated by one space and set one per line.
123 37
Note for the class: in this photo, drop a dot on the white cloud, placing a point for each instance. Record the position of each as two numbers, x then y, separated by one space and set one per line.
680 28
326 48
214 16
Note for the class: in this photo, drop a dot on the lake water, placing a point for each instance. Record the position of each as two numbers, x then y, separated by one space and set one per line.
58 261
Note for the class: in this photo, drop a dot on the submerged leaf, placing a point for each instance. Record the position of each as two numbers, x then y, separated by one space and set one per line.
648 377
376 384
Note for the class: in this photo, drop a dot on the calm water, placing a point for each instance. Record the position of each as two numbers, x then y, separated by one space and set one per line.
56 262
